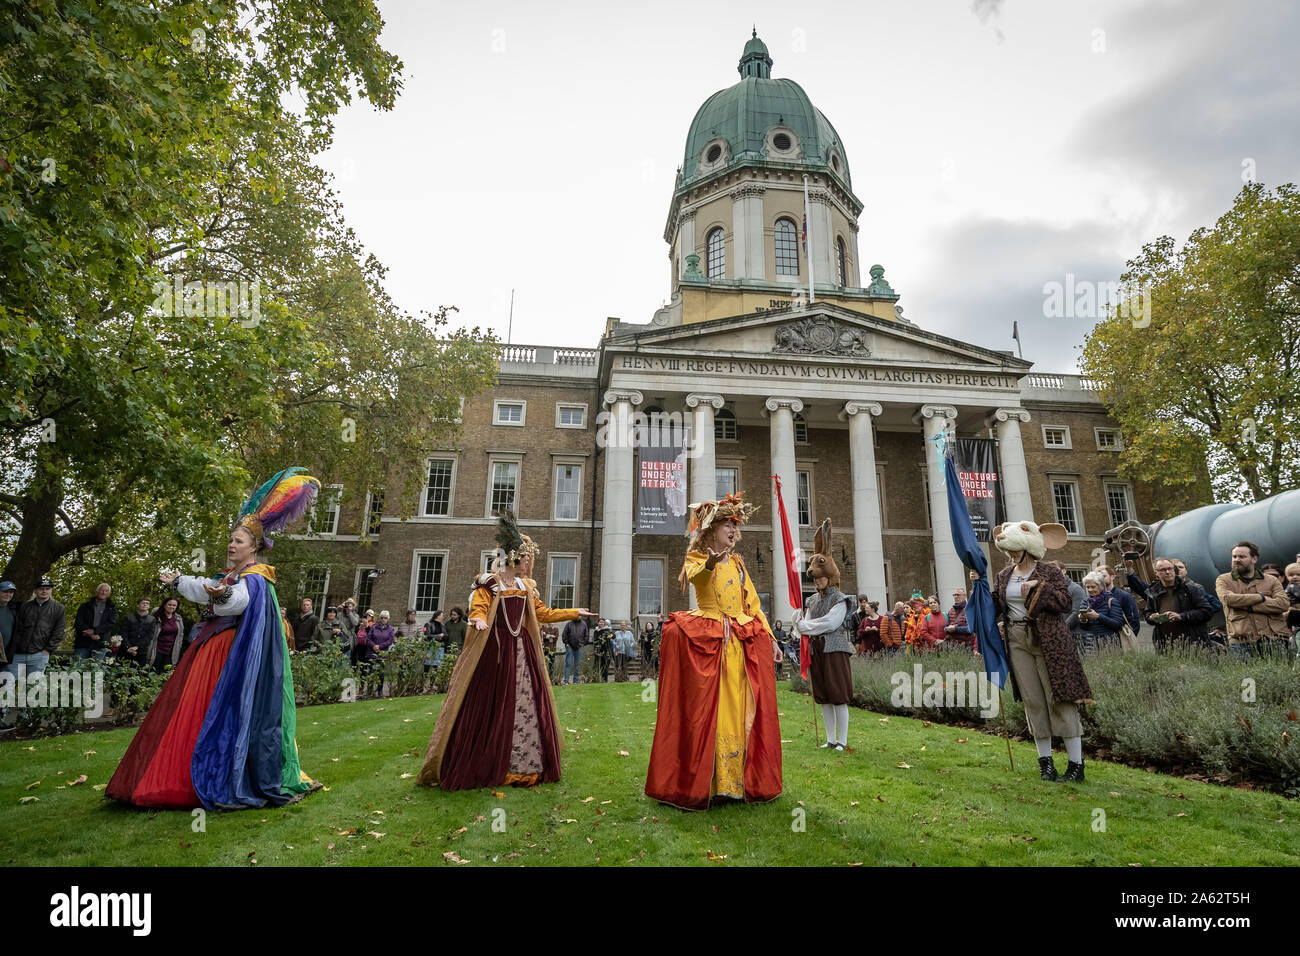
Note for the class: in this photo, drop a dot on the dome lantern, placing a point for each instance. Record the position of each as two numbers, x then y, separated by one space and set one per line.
754 60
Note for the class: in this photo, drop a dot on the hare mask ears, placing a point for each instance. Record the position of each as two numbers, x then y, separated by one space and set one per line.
822 539
1054 536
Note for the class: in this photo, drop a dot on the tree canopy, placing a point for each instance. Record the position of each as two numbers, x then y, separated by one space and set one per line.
1215 376
184 310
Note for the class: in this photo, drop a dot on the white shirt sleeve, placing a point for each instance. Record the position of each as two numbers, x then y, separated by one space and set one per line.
823 625
191 587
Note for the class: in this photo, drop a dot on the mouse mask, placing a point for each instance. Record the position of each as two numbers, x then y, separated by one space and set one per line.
1015 536
821 564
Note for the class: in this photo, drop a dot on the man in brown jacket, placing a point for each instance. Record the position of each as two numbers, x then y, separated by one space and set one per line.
1254 605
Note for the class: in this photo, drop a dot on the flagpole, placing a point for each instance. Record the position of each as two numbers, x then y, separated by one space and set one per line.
812 296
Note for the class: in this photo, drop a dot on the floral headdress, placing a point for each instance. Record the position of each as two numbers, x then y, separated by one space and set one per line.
706 514
272 507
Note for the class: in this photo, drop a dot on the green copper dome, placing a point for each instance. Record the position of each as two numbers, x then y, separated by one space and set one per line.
753 122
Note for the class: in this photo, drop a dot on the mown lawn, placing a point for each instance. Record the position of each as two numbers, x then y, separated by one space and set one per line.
906 794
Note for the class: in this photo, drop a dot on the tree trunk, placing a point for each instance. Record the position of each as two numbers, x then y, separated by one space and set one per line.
39 544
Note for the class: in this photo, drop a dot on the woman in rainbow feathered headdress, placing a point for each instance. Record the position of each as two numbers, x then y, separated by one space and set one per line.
221 733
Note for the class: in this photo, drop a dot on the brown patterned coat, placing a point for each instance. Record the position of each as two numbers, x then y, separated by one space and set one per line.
1049 602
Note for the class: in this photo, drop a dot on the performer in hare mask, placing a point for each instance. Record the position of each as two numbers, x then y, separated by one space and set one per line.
824 621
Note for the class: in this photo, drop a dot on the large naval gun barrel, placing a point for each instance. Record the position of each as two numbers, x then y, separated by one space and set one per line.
1204 537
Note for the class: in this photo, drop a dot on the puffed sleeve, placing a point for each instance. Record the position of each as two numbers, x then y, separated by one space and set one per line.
831 621
694 566
478 604
233 602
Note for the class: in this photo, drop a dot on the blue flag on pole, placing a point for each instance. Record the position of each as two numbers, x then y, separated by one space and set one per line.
979 606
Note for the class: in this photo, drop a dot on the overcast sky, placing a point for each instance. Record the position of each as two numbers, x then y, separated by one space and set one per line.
997 146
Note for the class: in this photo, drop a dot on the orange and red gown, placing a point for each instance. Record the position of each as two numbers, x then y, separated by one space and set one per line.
717 731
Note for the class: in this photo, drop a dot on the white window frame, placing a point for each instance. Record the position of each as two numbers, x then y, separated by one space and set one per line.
730 466
550 575
493 460
412 593
523 411
365 518
1119 438
662 561
325 499
735 424
356 590
451 491
800 420
1106 485
1052 481
485 559
571 405
318 607
812 514
556 465
1073 569
1065 428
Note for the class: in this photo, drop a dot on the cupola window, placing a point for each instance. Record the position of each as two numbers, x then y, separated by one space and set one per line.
786 238
841 262
717 254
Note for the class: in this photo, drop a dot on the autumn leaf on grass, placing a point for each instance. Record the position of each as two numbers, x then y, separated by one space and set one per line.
624 753
80 780
407 775
853 803
884 720
962 740
905 766
926 723
715 857
498 794
376 834
589 799
99 786
33 785
453 857
28 799
568 821
252 856
87 753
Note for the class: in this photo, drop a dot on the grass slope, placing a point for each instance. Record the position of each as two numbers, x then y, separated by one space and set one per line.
906 794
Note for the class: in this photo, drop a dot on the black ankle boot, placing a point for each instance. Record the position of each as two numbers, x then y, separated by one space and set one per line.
1047 769
1073 773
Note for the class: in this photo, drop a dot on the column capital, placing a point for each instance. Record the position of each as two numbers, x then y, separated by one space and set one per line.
934 411
615 395
696 399
1006 415
855 407
747 189
794 404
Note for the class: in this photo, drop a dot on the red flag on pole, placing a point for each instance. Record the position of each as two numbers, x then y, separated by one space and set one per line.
792 569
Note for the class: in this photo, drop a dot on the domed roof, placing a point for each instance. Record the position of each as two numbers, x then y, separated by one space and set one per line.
750 116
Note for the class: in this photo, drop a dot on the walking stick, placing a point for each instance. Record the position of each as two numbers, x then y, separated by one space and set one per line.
1006 730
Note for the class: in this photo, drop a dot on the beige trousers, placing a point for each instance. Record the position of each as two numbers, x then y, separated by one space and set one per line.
1046 717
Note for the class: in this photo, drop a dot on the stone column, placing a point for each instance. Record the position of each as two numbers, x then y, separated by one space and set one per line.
948 570
685 239
701 454
781 412
747 231
868 540
1011 454
616 541
820 204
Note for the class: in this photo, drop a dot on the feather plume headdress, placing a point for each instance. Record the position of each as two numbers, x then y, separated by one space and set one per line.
706 514
281 501
511 542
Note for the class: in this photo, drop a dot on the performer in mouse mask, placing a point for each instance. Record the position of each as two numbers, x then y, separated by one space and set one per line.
824 621
1032 599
